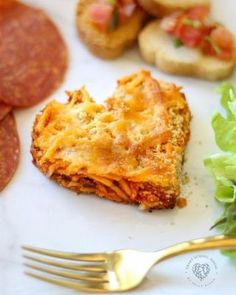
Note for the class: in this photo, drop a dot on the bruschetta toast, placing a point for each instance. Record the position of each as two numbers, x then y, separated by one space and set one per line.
160 8
109 27
185 45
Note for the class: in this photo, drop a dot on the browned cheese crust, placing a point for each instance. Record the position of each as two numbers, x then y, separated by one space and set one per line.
108 45
129 150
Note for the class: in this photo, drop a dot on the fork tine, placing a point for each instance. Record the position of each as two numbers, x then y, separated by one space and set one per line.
99 268
70 275
93 257
90 287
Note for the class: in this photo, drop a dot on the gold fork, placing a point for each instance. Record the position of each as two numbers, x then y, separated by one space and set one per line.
109 271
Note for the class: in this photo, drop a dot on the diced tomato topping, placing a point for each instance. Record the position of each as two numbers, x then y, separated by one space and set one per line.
207 48
170 22
226 54
122 15
223 54
194 30
126 10
198 12
100 14
222 37
190 36
129 9
127 2
207 29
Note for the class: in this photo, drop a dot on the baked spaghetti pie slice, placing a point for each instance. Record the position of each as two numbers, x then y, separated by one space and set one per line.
128 150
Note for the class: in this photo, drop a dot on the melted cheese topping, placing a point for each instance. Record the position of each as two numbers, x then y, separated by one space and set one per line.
139 134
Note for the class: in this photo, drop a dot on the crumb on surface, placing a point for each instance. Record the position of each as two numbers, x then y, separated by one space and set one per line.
181 202
185 159
185 178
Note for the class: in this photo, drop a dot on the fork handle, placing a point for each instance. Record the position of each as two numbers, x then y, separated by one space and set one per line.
215 242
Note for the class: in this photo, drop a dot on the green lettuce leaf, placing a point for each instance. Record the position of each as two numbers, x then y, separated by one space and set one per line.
225 127
223 169
228 99
227 224
225 133
223 165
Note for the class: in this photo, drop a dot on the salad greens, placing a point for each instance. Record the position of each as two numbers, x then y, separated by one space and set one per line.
223 165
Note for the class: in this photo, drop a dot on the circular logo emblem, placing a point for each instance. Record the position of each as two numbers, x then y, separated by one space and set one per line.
201 271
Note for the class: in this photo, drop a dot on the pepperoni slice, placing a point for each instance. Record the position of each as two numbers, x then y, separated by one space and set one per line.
4 110
33 55
9 150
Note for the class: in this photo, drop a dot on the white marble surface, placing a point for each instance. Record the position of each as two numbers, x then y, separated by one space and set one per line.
35 211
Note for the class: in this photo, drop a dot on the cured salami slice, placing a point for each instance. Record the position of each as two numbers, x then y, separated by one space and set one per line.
4 110
9 149
33 55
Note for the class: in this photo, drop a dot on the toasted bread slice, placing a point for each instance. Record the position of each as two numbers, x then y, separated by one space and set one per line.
161 8
129 150
108 45
157 47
